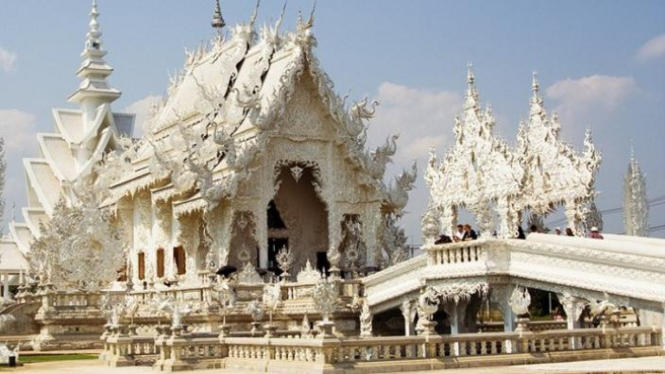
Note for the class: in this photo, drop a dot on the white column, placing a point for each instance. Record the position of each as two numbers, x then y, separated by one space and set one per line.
5 288
409 313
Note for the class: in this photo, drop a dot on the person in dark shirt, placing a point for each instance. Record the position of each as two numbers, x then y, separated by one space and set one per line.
533 229
520 233
569 232
470 233
443 239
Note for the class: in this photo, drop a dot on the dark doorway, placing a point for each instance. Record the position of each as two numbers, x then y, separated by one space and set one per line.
322 263
274 246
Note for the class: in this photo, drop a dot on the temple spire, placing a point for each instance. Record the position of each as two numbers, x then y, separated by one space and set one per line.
534 83
217 19
470 79
636 207
94 89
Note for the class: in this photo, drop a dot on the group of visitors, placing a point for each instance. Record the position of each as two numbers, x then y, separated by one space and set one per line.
464 233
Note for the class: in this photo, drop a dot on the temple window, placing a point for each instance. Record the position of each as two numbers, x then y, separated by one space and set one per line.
141 261
179 259
160 262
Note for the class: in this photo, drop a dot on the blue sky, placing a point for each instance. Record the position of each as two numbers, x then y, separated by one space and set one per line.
601 65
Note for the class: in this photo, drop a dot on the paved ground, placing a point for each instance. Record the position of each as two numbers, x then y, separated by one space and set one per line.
630 365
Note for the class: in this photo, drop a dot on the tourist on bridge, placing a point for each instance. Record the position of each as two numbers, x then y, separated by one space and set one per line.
594 234
460 234
470 234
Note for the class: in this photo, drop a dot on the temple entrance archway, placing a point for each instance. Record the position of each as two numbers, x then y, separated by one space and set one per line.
304 220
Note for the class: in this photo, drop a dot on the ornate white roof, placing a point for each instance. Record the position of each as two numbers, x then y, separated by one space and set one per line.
12 259
554 171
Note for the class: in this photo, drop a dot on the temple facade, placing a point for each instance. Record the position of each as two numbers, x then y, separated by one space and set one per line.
250 154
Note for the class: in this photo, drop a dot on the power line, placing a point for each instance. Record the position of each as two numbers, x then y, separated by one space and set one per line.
657 201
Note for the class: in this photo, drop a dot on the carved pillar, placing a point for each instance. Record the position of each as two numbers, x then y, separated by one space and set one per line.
371 227
220 227
506 224
190 239
500 297
261 218
573 218
448 220
573 307
142 231
161 233
456 312
335 220
169 257
408 310
125 211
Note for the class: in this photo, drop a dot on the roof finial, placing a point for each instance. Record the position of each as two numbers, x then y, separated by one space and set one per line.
534 82
252 19
469 74
93 41
281 17
217 19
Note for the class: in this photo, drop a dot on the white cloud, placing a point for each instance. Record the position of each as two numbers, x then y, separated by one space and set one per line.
7 60
580 97
424 119
142 109
18 129
653 48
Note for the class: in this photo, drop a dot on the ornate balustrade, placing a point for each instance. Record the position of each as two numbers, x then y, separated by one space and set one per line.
271 354
121 349
456 253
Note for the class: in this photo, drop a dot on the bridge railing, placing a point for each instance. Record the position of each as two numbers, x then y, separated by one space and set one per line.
457 253
191 351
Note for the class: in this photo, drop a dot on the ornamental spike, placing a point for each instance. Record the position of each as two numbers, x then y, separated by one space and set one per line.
217 19
470 79
252 19
534 82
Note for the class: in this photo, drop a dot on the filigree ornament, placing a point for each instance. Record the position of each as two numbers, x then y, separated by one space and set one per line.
285 259
520 300
272 296
243 254
428 304
296 172
226 296
79 248
366 318
308 274
249 274
255 310
305 328
326 297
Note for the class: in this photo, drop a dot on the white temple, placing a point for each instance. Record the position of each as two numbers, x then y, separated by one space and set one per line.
252 206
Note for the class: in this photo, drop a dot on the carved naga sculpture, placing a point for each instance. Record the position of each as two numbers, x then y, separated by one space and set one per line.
398 195
377 160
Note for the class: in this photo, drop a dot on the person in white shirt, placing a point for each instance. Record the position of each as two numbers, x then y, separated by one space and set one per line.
460 234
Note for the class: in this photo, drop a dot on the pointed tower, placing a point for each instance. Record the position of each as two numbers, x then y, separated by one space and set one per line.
94 90
217 20
80 139
635 207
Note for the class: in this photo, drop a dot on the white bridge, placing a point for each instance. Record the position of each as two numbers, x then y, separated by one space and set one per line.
626 271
